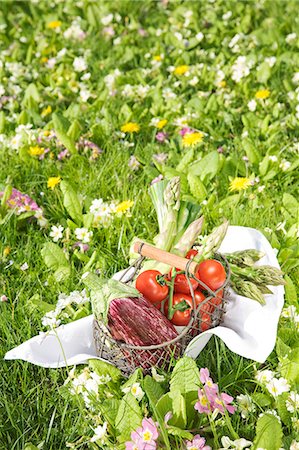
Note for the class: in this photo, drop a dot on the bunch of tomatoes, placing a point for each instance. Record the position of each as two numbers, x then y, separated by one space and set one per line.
171 292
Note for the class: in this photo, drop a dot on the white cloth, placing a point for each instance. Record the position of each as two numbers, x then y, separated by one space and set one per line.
248 328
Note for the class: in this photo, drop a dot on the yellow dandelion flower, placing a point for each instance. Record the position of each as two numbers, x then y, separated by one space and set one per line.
46 111
46 133
239 184
161 123
192 139
262 94
222 84
181 70
44 59
130 127
53 181
124 206
157 58
6 251
54 24
36 151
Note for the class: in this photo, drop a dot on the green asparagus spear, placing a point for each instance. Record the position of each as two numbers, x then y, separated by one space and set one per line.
266 275
212 242
244 257
247 289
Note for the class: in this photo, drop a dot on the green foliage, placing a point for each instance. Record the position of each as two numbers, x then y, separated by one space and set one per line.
71 202
268 433
129 417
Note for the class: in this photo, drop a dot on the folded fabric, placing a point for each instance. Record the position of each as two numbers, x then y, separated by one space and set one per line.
248 328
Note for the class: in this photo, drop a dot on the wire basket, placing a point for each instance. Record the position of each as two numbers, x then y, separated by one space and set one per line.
208 314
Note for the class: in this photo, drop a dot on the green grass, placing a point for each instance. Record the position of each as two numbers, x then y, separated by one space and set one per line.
32 407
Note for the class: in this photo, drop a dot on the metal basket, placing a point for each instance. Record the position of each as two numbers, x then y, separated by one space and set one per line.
128 357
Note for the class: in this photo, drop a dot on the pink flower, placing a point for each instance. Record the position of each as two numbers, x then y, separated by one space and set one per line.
161 136
222 402
157 179
209 398
203 404
197 443
204 376
144 438
185 130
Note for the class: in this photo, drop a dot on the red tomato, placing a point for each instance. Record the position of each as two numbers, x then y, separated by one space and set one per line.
206 322
181 284
191 253
212 273
180 318
150 284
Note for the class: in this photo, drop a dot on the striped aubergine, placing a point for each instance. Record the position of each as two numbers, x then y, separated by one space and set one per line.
135 321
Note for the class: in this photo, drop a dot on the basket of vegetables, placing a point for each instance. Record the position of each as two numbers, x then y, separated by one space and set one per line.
146 315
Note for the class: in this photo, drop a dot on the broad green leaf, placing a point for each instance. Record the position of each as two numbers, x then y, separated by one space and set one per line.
109 409
152 388
74 130
282 409
185 376
71 202
291 204
104 368
164 405
30 446
197 187
179 418
60 126
2 122
251 152
159 413
268 433
128 418
35 303
175 431
87 220
290 366
290 291
263 73
62 273
186 160
54 256
281 348
261 400
207 167
264 164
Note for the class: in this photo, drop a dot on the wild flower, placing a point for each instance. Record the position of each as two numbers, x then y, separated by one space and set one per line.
161 136
135 390
100 433
238 444
209 397
79 64
277 386
133 163
252 105
130 127
83 235
292 403
197 443
240 69
144 438
245 405
192 139
239 184
124 206
262 94
54 24
53 182
56 233
161 158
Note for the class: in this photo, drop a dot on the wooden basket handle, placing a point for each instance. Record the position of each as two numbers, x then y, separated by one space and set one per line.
165 257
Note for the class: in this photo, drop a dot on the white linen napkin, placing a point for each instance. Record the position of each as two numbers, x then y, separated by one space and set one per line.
248 328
